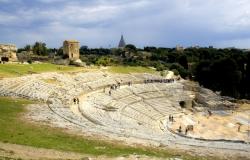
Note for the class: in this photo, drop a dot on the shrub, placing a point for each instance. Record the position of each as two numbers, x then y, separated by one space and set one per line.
29 61
176 72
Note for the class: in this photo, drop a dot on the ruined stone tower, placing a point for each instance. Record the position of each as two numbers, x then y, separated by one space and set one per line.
122 43
71 48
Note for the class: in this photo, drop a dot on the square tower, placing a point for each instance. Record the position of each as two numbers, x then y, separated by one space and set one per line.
71 48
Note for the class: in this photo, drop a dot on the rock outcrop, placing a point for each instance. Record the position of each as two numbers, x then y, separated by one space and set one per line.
8 52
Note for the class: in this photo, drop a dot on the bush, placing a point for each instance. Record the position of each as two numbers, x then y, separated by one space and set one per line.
105 61
181 70
176 72
29 61
160 67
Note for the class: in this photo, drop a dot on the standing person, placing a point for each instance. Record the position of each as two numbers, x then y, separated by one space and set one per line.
110 92
180 129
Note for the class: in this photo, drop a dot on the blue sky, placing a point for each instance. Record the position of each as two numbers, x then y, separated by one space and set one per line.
99 23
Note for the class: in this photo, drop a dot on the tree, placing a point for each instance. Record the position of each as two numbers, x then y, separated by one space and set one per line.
84 50
247 78
130 48
183 61
182 71
28 48
172 57
105 61
40 48
203 73
226 76
60 51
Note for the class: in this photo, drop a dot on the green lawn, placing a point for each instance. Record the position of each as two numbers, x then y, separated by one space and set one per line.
130 69
11 70
15 130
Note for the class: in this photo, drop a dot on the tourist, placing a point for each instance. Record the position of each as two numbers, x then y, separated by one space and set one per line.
110 92
180 129
209 113
171 118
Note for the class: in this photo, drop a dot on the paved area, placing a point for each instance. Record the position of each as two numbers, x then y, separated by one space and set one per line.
230 126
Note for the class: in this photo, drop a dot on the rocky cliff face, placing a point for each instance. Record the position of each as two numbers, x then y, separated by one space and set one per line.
8 51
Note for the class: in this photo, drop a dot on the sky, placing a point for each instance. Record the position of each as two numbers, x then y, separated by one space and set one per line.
100 23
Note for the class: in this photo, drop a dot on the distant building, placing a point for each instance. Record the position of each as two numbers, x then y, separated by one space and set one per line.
8 52
179 48
195 46
71 48
122 43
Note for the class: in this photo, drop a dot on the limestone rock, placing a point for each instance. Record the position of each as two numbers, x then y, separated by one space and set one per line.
8 51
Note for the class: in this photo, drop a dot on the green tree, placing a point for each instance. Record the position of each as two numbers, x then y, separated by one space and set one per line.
60 51
203 73
129 51
130 48
105 61
181 70
183 61
28 48
40 48
247 77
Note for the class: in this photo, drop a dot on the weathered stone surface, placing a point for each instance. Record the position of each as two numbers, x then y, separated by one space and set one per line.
136 114
71 48
8 51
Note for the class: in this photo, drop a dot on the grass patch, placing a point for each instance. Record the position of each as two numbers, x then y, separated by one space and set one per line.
13 70
130 69
14 130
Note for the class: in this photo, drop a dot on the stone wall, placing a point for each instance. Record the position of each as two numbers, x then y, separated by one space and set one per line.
8 52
